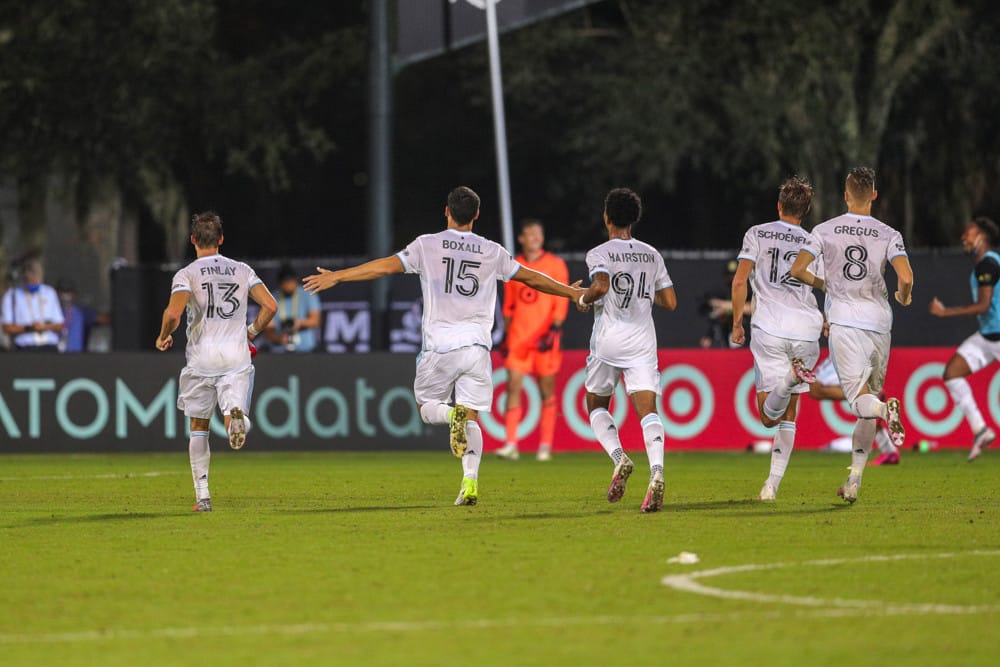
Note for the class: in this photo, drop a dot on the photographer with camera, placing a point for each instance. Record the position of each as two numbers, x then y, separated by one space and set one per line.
295 328
30 312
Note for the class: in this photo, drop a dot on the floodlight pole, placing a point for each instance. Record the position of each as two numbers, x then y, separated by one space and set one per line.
379 167
499 126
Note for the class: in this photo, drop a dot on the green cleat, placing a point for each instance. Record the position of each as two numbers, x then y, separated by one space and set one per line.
469 495
459 441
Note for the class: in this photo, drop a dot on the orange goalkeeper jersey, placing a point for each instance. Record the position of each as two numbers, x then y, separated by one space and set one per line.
531 311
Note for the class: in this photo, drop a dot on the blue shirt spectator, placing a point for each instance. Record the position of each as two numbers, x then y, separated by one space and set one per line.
295 327
30 312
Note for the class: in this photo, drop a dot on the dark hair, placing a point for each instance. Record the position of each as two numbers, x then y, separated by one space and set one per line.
286 272
861 182
988 227
624 208
463 203
530 222
206 228
795 196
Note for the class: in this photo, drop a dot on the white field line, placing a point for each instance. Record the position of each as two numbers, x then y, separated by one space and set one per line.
113 634
689 583
106 475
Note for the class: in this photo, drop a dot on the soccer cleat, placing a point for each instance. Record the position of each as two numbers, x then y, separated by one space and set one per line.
509 452
802 372
544 453
849 491
885 459
983 440
459 440
469 494
237 428
204 505
619 479
767 492
653 501
894 421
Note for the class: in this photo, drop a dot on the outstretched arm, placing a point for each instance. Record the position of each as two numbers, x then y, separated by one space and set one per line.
376 268
543 283
904 273
984 296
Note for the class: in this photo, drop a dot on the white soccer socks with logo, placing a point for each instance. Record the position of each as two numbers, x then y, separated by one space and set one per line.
606 432
474 453
200 456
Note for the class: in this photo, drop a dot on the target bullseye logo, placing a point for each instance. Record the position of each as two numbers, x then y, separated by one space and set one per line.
926 402
686 401
531 400
574 406
745 402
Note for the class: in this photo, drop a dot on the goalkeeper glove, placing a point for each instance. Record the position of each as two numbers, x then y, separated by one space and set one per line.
550 339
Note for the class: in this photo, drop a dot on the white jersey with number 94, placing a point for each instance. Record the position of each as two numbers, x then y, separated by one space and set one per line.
624 335
216 313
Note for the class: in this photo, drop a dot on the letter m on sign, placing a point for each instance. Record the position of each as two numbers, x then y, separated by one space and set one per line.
348 327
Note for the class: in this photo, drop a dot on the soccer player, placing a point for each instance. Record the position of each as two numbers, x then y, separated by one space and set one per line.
458 272
854 248
627 278
213 290
532 326
786 322
983 347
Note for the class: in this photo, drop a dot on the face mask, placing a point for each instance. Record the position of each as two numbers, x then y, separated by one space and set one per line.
34 288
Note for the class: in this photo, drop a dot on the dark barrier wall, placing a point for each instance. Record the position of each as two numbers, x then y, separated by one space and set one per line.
140 295
128 402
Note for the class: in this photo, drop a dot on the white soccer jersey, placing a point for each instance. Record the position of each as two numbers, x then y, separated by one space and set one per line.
216 313
458 279
783 306
623 334
854 250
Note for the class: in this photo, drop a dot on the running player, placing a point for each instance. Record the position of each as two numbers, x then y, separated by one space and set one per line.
983 347
627 278
786 321
213 290
532 325
458 272
854 249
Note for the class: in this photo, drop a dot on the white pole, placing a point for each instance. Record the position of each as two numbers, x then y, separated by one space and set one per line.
499 126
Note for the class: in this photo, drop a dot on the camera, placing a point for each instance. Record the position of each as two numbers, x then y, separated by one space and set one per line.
288 328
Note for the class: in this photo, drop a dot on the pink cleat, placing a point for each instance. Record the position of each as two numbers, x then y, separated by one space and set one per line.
803 373
886 459
894 422
619 479
654 494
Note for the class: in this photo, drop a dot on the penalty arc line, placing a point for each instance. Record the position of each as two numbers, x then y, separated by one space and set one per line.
689 583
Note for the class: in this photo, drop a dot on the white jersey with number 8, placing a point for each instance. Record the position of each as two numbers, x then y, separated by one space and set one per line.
624 335
854 250
216 313
458 280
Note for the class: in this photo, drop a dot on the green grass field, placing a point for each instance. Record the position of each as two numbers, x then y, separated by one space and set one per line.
361 559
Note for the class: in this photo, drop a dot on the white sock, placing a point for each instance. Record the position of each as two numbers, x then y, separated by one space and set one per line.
861 443
883 442
961 393
777 401
607 433
867 406
474 454
652 436
435 413
200 456
781 451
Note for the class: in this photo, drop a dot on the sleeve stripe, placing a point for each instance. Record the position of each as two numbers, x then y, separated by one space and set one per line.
600 270
514 272
406 267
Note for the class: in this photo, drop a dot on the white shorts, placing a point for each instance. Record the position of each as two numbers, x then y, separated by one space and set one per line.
772 359
860 358
979 352
602 378
197 395
467 372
